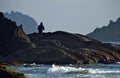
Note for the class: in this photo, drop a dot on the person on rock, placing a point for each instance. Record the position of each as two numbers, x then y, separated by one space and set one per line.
41 28
1 15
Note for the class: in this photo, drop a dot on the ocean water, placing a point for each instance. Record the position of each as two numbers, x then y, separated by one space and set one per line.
118 43
70 71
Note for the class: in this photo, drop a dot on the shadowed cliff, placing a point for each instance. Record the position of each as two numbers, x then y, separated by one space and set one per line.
12 37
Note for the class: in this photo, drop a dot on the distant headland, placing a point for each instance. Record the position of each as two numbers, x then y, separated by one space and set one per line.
28 22
110 33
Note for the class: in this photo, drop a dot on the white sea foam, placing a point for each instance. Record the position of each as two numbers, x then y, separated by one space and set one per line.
66 69
118 62
98 71
29 65
63 69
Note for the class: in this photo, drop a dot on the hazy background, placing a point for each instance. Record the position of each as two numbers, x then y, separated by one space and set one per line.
76 16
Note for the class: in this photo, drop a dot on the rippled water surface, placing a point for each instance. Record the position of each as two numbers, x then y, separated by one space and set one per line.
70 71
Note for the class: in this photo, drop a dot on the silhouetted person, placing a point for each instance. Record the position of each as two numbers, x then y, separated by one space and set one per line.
1 15
41 28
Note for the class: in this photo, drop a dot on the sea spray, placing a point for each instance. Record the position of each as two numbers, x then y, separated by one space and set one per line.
65 69
80 70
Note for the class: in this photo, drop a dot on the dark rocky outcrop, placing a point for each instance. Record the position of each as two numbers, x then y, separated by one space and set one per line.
110 33
58 47
12 37
29 23
66 48
8 73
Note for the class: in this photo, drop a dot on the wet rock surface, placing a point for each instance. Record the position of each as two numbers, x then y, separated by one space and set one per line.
5 72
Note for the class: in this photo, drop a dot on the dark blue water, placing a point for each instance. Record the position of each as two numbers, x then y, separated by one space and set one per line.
70 71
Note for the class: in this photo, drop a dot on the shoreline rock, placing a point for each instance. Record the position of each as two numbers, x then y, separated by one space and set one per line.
5 72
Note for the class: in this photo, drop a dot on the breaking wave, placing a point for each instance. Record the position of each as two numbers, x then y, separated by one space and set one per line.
68 69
